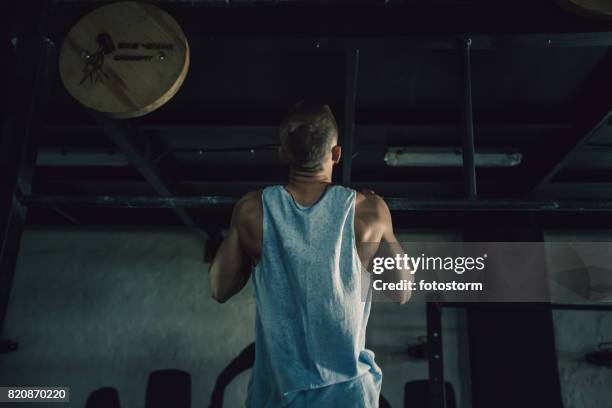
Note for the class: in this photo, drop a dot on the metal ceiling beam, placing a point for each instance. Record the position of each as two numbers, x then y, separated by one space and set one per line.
592 112
125 139
395 203
273 129
418 22
567 190
562 153
240 120
406 43
348 131
416 189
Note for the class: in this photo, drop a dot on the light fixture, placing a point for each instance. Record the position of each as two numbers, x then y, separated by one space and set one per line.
450 157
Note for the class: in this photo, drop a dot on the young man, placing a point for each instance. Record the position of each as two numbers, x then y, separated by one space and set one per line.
299 241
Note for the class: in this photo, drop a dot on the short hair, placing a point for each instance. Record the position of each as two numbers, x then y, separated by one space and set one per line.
307 133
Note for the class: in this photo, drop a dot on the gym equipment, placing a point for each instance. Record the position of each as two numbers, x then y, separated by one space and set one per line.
105 397
124 59
416 394
602 357
168 388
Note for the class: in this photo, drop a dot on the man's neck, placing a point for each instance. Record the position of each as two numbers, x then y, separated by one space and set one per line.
305 179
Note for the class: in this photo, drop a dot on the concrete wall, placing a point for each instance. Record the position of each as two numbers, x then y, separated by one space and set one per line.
93 309
100 308
578 332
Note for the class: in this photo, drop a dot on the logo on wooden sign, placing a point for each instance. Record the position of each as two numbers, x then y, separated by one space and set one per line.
94 65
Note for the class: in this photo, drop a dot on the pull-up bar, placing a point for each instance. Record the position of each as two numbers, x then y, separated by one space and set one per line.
395 203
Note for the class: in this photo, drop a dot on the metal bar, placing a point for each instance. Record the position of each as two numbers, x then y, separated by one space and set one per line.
590 113
394 203
264 123
437 397
34 68
564 156
469 164
587 307
125 140
400 43
595 190
67 216
348 133
602 306
407 20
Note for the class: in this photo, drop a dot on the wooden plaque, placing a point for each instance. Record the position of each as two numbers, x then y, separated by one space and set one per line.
124 59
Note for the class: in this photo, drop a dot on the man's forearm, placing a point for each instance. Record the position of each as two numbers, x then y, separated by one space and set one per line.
399 273
229 270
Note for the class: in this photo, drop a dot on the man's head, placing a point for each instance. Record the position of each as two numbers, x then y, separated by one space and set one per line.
309 137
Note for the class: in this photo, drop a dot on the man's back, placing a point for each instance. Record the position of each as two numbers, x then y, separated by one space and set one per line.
311 312
371 217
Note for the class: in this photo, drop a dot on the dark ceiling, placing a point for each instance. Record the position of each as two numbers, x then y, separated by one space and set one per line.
540 84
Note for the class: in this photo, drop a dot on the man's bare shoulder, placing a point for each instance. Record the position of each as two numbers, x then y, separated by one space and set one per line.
249 208
370 206
251 198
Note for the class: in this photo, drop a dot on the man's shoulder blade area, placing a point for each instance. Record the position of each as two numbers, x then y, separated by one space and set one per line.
249 208
370 206
371 217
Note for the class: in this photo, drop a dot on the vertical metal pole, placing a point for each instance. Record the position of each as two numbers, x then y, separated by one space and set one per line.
469 165
437 397
30 88
352 68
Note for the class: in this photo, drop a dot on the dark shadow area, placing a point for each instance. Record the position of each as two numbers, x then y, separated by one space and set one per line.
168 388
416 394
105 397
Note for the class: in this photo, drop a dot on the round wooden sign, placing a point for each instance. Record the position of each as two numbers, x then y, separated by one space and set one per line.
598 9
124 59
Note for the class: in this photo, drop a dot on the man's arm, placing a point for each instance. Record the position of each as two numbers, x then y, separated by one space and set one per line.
389 247
231 267
394 248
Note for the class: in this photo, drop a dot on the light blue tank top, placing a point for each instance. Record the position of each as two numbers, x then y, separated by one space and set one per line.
311 318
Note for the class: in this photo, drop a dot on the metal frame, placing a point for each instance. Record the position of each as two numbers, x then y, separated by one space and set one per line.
469 164
437 386
406 43
352 70
395 204
592 112
125 140
419 21
35 66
